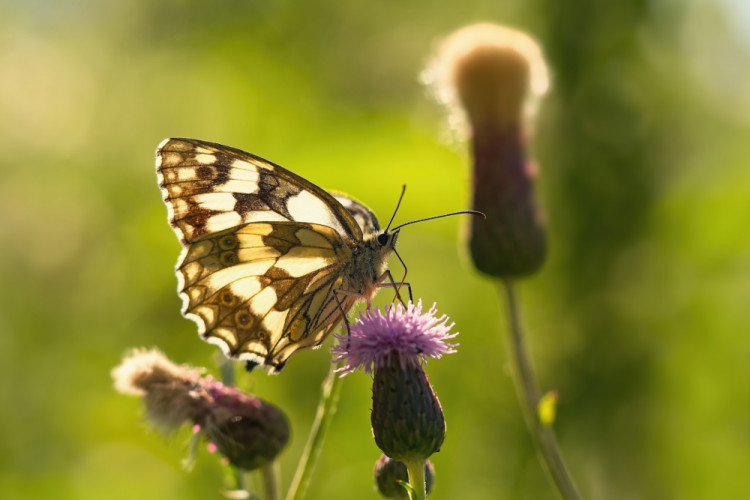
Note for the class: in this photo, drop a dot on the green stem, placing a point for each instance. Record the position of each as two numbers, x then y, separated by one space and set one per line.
226 368
271 473
240 479
416 479
529 395
326 410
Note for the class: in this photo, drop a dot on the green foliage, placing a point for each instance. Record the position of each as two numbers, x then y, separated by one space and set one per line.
639 320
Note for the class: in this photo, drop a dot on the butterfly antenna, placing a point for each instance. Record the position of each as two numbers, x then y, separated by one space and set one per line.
403 190
469 212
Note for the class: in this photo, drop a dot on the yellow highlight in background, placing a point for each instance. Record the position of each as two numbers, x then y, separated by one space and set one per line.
546 410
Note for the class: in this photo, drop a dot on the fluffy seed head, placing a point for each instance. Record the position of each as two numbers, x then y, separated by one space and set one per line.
168 390
487 73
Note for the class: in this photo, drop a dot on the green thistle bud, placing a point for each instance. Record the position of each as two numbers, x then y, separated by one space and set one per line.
407 419
389 472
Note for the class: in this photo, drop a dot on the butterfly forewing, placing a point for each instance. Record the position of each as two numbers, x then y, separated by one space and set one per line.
271 262
209 187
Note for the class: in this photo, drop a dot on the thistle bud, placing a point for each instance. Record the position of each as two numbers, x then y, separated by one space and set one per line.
248 431
389 472
492 77
407 419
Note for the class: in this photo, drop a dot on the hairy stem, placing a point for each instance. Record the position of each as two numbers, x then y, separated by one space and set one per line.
529 395
326 409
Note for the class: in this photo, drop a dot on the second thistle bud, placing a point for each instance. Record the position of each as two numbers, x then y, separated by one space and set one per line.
495 74
248 431
407 419
389 473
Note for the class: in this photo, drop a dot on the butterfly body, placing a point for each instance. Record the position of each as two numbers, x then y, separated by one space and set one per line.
271 263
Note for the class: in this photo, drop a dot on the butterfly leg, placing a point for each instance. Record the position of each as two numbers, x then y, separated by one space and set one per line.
406 271
341 308
396 285
343 314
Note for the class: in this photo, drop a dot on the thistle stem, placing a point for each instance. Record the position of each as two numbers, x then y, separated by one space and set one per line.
417 479
271 480
529 396
240 478
329 398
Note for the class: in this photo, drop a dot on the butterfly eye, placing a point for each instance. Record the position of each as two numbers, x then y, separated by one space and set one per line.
383 238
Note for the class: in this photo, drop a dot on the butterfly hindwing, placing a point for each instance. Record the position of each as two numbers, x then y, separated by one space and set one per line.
263 290
365 217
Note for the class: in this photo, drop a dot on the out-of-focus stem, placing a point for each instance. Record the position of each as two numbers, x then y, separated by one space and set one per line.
326 409
240 478
271 480
529 396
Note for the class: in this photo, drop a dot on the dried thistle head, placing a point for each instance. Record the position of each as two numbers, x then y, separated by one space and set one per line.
487 73
247 430
168 390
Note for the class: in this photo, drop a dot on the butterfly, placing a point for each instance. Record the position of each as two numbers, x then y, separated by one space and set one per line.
271 263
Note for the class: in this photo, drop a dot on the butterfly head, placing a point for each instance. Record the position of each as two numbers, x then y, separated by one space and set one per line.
387 240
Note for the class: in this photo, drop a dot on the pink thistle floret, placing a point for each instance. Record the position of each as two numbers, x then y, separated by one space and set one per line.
408 333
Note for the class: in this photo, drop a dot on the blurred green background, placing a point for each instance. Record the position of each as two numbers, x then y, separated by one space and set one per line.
639 319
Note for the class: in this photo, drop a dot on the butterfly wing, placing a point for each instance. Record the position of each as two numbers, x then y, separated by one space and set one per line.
210 187
365 217
262 291
264 250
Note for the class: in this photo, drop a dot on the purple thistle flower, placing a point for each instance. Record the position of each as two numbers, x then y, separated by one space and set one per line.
411 335
407 419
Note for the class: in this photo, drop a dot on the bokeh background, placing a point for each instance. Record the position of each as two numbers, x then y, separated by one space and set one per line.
639 318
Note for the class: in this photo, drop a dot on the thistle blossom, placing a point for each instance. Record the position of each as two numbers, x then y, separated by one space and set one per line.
407 420
408 334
